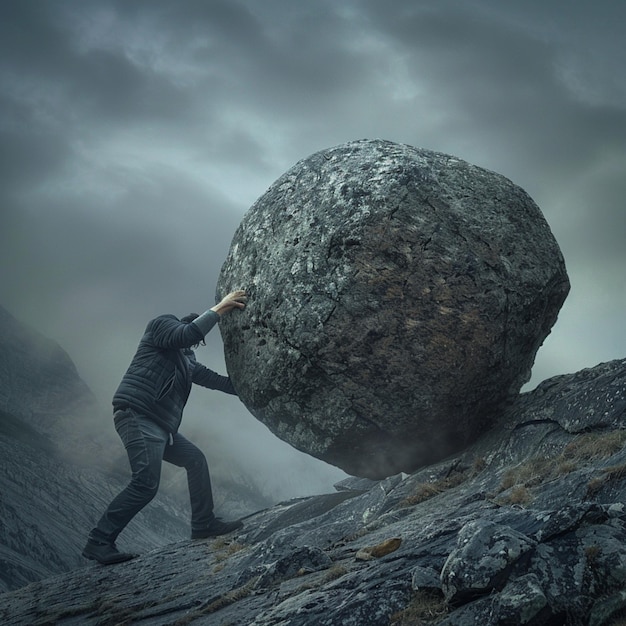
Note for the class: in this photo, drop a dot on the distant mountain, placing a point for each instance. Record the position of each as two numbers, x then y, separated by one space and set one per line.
39 384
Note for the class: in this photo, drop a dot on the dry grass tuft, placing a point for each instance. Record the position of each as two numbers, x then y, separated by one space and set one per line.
592 554
530 473
578 452
424 608
519 495
224 550
330 575
216 604
335 572
593 446
608 475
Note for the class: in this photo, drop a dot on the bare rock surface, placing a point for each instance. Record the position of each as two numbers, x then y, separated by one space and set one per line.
398 297
526 526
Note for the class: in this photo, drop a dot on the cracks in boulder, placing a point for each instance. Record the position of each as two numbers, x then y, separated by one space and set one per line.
426 244
505 326
332 311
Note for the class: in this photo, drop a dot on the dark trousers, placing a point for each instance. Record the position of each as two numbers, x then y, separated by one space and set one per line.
147 445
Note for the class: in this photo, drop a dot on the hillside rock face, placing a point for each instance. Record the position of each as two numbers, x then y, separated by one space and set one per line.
527 526
397 300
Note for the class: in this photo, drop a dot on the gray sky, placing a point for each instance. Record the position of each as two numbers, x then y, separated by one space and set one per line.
136 133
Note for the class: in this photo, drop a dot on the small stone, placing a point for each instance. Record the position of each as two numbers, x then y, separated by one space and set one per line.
382 549
485 554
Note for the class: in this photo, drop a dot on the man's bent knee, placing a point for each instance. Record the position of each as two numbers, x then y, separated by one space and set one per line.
146 484
197 461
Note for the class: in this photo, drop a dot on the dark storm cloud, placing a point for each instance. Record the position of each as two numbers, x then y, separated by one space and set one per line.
40 50
500 82
134 136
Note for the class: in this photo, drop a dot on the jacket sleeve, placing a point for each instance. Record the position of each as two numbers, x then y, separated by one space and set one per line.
169 333
206 321
205 377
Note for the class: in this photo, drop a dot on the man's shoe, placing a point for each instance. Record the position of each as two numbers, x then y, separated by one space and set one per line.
105 553
216 528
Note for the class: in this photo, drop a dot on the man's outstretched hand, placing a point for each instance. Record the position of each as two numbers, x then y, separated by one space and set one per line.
234 300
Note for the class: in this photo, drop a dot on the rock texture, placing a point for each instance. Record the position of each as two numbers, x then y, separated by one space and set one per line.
397 300
527 526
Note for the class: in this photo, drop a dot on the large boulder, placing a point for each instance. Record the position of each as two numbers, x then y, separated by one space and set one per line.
398 297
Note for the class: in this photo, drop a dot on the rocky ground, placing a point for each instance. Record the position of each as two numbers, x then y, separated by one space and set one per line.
527 526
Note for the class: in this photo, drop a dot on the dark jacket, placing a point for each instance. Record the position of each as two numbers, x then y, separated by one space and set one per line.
159 378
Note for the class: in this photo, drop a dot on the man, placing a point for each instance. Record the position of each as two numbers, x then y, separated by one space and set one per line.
148 407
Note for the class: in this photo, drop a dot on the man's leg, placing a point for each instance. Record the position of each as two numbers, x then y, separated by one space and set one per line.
183 453
144 441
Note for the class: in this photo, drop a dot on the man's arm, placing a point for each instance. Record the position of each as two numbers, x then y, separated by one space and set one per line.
205 377
168 332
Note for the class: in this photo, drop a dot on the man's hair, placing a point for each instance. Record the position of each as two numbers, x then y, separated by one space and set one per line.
189 318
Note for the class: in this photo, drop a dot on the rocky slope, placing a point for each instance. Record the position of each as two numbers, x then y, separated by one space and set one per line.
527 526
